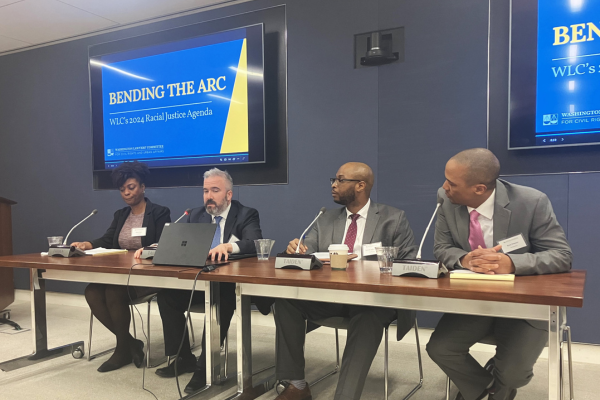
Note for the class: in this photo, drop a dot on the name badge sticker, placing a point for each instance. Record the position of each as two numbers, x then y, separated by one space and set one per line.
513 243
369 249
135 232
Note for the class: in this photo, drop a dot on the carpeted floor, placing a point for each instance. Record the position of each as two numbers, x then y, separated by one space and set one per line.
69 378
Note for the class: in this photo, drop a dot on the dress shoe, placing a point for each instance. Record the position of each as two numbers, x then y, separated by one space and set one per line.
137 353
197 382
291 393
459 396
184 365
111 366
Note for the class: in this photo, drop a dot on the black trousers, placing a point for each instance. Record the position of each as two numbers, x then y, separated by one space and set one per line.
173 304
364 336
518 346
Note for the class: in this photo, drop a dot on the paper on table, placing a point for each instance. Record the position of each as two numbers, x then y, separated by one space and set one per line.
468 274
101 251
324 256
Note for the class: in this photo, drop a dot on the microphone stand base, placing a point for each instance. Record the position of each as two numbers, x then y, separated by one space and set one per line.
148 253
419 268
60 250
304 262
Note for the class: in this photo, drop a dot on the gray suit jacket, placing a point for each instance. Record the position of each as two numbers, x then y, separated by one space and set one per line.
518 209
384 224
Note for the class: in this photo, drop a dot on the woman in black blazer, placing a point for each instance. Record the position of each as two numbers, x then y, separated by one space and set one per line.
139 224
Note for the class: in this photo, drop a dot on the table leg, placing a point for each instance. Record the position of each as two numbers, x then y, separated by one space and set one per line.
40 331
213 329
554 376
244 343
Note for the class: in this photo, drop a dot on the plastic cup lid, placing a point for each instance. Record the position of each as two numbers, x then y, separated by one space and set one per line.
338 247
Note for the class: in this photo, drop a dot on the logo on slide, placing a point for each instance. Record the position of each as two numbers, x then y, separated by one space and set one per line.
110 152
550 119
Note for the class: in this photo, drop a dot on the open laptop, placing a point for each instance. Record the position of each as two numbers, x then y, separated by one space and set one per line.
185 245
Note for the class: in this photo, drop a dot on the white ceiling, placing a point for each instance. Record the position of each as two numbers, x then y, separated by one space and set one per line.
26 23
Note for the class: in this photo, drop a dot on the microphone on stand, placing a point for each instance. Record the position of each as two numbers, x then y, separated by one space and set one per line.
186 212
149 251
439 203
297 260
417 267
321 212
64 250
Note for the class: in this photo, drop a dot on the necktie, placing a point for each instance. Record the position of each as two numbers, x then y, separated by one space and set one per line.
217 238
475 232
351 234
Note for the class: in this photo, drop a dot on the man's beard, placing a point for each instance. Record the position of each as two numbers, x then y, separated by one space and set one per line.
216 209
346 198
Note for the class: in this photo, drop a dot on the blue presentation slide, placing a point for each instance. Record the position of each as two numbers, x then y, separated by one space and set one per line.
568 71
184 107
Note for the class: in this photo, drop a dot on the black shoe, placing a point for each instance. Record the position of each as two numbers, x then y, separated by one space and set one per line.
137 353
109 366
184 365
197 382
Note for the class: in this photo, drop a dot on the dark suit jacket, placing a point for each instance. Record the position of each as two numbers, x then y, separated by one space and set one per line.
384 224
155 218
517 210
242 221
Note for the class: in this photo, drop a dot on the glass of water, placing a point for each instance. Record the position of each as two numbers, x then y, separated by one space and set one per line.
385 257
263 248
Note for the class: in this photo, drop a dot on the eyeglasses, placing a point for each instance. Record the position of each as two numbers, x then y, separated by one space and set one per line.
336 180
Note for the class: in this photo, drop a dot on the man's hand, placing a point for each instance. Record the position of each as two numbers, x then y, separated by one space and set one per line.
488 261
221 250
82 245
138 253
291 249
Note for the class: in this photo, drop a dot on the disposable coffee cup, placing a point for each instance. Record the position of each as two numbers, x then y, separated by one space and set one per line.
338 256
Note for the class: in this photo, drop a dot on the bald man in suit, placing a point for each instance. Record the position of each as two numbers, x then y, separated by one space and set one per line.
479 210
359 222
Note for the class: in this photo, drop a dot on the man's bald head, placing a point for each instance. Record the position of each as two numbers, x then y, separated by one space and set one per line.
481 166
359 171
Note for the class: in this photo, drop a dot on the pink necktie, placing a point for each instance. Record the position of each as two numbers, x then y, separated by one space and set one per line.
475 232
351 234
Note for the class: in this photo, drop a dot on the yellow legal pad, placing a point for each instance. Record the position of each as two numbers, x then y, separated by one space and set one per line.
467 274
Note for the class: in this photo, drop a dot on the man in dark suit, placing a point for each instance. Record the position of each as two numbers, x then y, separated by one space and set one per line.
478 211
237 228
358 223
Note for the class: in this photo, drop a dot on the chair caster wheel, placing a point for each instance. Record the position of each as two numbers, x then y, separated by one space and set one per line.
78 353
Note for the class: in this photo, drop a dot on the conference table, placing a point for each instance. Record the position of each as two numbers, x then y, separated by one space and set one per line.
542 298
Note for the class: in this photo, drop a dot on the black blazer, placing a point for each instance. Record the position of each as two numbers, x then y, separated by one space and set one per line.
243 222
155 218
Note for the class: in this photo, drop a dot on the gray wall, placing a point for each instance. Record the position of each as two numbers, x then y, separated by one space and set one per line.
405 120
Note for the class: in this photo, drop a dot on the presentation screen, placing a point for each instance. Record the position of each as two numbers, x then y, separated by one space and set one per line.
194 101
554 73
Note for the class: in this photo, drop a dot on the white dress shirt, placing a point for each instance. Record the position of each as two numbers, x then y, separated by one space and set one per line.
224 214
486 219
360 227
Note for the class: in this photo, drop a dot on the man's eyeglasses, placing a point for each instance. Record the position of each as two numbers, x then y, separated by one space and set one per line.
336 180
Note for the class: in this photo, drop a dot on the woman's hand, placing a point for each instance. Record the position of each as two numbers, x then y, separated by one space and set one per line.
82 245
138 253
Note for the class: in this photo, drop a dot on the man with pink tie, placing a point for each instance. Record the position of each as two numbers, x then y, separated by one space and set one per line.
479 211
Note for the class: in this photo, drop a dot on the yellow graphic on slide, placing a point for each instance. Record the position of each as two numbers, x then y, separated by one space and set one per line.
235 139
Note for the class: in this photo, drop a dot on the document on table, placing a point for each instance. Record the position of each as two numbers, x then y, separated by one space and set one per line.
101 251
468 274
324 256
